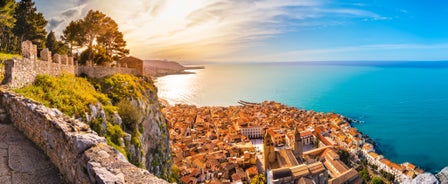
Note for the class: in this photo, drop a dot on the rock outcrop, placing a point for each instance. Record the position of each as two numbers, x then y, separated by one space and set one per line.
443 176
425 178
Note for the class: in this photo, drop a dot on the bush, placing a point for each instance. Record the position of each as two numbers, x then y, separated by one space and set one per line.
377 180
123 86
70 94
130 114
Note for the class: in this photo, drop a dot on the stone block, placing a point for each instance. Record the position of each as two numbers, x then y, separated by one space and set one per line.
70 60
57 58
45 55
64 59
29 50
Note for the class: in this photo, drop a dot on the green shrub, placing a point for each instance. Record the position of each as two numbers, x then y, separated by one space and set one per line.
70 94
122 86
114 132
130 114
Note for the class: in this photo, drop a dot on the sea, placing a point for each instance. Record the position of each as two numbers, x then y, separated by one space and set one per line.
402 106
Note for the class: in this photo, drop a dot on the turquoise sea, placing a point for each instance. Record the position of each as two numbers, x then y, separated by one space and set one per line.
402 106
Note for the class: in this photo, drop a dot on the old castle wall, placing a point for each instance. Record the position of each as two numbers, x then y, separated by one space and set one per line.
21 72
78 152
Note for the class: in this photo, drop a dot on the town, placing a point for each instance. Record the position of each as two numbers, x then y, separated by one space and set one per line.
272 143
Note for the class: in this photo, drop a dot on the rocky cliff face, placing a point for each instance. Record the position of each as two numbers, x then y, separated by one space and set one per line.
146 137
154 137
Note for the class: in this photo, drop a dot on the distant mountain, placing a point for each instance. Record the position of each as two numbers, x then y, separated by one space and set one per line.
157 68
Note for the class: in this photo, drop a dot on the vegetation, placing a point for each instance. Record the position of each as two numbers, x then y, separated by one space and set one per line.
54 45
30 24
364 175
344 156
121 86
175 176
98 33
258 179
8 41
72 96
377 180
97 28
130 115
6 56
388 176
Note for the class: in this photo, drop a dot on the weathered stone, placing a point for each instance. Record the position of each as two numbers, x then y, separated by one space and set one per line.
85 141
64 59
443 176
70 60
57 58
425 178
5 179
45 55
29 50
26 158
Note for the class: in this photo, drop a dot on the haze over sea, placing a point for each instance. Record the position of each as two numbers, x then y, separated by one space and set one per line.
403 106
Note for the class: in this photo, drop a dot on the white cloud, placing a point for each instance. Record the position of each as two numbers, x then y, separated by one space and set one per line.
204 29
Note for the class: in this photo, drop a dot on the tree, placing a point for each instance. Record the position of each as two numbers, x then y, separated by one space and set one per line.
30 24
73 35
51 43
377 180
344 156
99 33
364 174
7 22
54 45
258 179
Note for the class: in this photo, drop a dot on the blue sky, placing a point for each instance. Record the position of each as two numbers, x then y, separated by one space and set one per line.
271 30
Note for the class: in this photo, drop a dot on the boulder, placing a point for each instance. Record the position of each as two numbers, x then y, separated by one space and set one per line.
443 176
425 178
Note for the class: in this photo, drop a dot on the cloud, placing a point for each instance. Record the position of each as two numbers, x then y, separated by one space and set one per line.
382 52
206 29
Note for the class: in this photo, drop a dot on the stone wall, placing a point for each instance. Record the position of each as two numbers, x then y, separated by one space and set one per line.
103 71
19 73
78 152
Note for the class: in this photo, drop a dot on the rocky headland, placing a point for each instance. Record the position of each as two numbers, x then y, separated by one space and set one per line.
158 68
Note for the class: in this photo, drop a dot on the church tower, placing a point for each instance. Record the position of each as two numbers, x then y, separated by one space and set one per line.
298 145
268 151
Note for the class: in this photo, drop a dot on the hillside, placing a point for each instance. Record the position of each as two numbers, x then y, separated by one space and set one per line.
157 68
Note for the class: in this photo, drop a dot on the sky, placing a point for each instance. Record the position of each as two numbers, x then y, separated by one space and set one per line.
270 30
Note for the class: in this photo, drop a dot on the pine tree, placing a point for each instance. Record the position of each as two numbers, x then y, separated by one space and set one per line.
51 42
30 24
7 21
96 27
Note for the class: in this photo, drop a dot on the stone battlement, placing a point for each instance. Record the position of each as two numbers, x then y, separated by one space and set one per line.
21 72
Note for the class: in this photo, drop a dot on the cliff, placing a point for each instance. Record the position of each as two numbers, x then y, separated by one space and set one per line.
122 108
149 123
80 154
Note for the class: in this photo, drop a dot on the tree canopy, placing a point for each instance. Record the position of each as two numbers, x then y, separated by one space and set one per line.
54 45
7 22
30 24
100 34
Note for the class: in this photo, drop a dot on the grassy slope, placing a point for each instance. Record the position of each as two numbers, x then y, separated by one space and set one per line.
5 56
72 95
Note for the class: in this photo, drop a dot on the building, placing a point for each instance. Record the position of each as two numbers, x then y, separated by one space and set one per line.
285 165
252 132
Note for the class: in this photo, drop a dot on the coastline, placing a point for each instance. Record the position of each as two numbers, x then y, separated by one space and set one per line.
360 145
